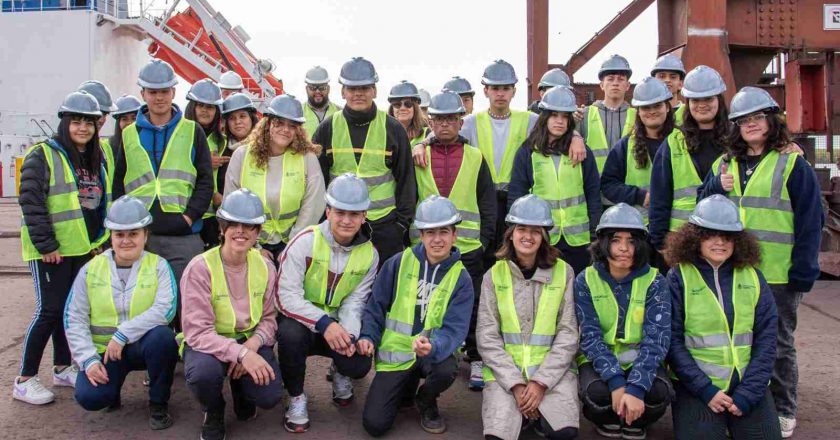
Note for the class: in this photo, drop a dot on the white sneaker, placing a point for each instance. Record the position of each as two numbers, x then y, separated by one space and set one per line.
476 376
297 416
65 378
31 391
788 424
342 389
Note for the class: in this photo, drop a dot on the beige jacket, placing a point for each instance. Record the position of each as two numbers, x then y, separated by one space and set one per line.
561 406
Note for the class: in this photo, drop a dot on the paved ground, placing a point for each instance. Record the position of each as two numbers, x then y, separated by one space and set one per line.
816 340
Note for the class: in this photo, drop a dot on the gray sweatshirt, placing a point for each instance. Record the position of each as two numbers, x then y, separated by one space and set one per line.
612 120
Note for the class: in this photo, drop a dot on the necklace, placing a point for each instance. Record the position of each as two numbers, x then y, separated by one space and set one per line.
750 169
495 116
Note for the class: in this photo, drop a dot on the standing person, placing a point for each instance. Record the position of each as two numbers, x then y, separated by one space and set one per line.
425 100
230 320
404 100
543 166
326 275
166 164
464 89
318 105
417 317
106 106
363 140
124 115
624 309
280 165
63 197
527 332
117 317
780 202
670 70
458 172
552 78
723 328
230 82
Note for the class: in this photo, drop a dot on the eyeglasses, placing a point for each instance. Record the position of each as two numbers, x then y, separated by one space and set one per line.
407 103
449 119
751 119
320 88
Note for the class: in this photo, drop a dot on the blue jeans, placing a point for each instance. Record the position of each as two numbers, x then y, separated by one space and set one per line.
156 352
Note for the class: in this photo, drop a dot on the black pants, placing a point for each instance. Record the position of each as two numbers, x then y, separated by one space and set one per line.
210 232
501 226
52 286
389 238
693 419
276 250
474 263
576 256
295 343
389 388
597 399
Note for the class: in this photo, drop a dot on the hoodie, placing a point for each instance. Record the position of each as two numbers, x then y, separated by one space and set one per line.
612 121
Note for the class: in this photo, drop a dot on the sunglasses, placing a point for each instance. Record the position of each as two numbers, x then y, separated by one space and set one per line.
407 103
321 88
751 119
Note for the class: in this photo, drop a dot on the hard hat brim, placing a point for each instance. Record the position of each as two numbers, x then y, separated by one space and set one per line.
353 207
495 82
515 220
117 114
157 86
357 83
224 215
273 114
64 111
736 227
639 103
451 221
146 221
241 107
620 226
554 108
753 109
680 71
707 94
438 112
603 73
192 97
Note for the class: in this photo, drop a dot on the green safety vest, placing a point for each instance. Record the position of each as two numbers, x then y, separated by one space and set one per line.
311 117
66 216
292 190
596 136
766 211
316 279
717 349
424 132
104 319
371 167
562 188
686 180
635 176
463 195
108 153
220 296
216 148
527 351
679 114
173 185
516 136
395 352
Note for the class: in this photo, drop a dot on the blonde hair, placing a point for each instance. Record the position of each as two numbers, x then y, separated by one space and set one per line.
260 143
418 122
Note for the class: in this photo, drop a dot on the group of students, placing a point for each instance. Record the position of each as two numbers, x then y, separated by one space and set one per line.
243 232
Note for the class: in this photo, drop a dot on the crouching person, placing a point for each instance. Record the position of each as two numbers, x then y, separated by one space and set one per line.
527 332
117 317
229 319
326 274
418 316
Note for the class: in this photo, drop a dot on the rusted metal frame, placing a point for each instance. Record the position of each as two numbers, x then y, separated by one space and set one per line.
537 16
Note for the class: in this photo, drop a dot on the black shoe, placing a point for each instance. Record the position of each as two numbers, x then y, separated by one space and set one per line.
629 433
244 410
430 419
609 431
116 406
159 417
213 427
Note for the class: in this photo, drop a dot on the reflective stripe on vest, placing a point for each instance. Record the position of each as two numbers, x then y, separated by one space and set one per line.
686 180
216 149
104 318
394 352
528 356
562 187
108 153
679 115
517 134
463 195
371 167
315 282
311 117
220 296
596 139
292 190
635 176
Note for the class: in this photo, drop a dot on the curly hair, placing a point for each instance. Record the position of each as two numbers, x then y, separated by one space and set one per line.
778 136
691 129
538 139
260 142
547 254
640 150
683 246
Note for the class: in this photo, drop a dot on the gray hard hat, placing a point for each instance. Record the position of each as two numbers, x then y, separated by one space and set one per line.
703 82
446 102
717 212
126 104
459 85
205 91
404 89
317 76
286 107
425 98
530 210
231 80
668 63
750 100
555 77
559 99
101 93
358 72
436 212
79 103
615 64
650 91
499 73
242 206
157 74
237 101
348 193
621 216
127 213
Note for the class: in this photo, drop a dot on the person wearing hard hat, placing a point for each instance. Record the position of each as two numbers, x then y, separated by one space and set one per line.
318 105
527 332
458 172
124 115
670 70
415 320
280 165
624 309
552 78
780 201
63 197
723 328
230 320
239 117
425 99
230 82
166 163
326 275
106 106
464 89
117 317
404 100
543 166
363 140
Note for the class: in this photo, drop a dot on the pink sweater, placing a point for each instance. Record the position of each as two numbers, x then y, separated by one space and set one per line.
198 319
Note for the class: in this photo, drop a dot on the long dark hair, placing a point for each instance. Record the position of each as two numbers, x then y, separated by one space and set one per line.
92 152
640 150
600 248
691 129
547 254
538 139
116 139
683 246
215 128
254 119
778 136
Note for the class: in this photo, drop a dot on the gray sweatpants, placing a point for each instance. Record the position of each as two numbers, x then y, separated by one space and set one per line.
785 371
178 250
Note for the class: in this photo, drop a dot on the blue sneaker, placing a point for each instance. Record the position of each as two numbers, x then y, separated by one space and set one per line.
476 376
